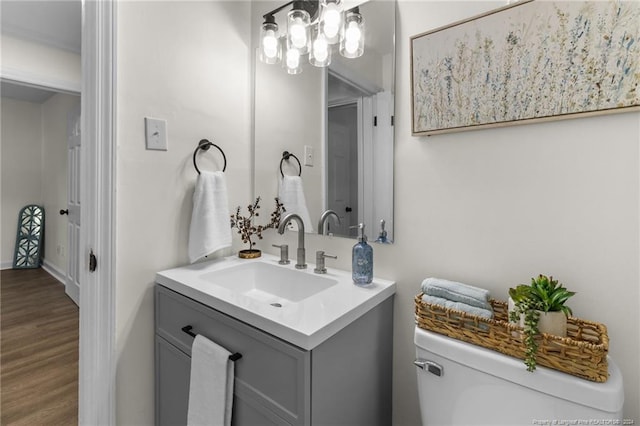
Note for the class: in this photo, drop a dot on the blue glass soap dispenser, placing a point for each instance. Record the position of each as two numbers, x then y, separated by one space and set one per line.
362 260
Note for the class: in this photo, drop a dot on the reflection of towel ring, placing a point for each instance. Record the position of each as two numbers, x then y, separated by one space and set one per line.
285 156
205 145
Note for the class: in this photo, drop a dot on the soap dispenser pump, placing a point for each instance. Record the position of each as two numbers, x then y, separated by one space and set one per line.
362 260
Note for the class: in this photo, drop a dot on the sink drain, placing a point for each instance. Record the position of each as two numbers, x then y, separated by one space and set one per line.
277 305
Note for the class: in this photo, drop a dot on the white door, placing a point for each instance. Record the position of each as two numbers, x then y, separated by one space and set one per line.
342 167
73 206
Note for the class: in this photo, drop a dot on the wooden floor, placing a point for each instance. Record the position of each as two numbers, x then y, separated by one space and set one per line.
38 350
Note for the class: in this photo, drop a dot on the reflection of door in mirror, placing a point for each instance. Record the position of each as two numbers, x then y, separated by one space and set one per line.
342 176
359 161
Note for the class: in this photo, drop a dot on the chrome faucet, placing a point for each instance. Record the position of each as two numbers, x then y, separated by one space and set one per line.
300 262
323 219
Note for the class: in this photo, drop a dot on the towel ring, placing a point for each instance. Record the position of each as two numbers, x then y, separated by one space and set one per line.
204 145
187 329
285 156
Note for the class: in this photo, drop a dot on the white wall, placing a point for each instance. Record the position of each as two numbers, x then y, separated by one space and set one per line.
54 177
34 171
488 207
187 63
496 207
21 168
40 65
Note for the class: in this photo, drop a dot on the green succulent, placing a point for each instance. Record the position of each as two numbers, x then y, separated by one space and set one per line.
544 294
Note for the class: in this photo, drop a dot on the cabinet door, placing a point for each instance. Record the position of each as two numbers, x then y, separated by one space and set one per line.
173 372
271 372
173 368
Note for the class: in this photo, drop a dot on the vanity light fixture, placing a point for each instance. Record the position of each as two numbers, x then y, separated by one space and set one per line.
292 61
298 31
270 49
314 27
352 43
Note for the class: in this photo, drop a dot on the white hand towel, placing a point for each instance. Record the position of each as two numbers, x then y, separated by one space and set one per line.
210 228
292 198
211 386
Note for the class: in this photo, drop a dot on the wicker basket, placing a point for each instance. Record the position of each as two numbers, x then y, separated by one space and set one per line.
583 353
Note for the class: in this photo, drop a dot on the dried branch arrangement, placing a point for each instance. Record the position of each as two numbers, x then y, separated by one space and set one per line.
246 226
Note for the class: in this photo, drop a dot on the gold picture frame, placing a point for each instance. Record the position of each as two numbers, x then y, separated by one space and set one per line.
527 62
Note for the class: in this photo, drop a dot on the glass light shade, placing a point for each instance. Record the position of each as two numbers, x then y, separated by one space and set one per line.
298 33
320 54
270 49
292 61
331 20
352 43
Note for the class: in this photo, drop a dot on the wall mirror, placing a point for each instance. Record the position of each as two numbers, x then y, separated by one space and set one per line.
338 121
29 238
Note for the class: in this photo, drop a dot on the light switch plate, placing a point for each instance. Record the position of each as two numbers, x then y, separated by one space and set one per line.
156 133
308 155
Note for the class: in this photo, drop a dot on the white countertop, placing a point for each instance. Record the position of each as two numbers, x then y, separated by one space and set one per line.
306 323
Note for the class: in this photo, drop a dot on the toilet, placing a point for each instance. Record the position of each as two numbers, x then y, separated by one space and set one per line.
464 384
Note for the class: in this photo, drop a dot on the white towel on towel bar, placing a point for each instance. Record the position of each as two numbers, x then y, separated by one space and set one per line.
210 228
292 198
211 386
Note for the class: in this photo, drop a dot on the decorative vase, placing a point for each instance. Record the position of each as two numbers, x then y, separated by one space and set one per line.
554 323
249 254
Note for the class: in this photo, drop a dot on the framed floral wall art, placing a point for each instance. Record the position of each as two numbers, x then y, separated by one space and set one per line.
533 60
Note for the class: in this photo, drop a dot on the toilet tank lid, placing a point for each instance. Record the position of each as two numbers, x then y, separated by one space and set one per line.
607 396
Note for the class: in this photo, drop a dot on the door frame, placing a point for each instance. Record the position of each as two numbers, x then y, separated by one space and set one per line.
71 283
96 396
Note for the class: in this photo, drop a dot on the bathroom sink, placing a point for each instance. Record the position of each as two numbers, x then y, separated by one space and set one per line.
269 283
295 305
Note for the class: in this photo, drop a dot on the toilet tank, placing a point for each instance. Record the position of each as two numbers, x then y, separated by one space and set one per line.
464 384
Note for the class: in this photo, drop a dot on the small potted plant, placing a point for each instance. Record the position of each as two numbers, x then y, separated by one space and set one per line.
539 308
248 229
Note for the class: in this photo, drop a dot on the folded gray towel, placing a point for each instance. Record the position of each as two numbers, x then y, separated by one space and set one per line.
458 306
457 292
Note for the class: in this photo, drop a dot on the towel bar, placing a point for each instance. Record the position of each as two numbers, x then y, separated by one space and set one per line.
285 156
187 329
204 145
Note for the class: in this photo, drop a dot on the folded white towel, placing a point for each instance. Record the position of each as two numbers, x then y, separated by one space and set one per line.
210 228
211 386
291 196
457 292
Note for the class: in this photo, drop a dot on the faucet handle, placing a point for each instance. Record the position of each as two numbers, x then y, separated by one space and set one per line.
284 253
320 256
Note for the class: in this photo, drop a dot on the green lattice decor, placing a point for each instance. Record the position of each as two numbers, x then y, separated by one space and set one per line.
28 253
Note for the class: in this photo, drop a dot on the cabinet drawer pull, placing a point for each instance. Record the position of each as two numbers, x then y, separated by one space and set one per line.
187 329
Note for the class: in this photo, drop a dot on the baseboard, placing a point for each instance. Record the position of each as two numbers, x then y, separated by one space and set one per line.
6 265
54 271
71 290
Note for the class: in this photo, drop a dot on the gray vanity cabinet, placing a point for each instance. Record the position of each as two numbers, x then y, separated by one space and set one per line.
346 380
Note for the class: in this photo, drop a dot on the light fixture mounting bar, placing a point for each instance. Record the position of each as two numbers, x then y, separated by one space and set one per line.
274 11
311 6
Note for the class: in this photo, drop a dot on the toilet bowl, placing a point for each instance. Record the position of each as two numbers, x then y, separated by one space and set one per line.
464 384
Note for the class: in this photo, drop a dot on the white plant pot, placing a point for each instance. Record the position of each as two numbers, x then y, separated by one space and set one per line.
511 305
554 323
